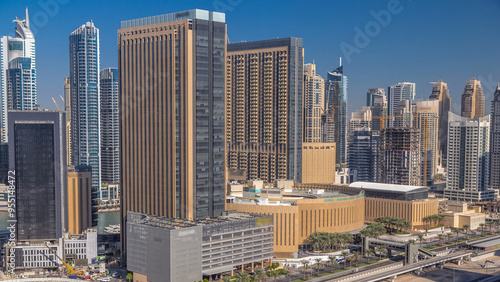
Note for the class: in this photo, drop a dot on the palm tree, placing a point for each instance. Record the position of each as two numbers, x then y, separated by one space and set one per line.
440 236
466 228
482 225
274 273
226 279
380 249
420 238
242 277
305 263
457 231
260 273
333 260
318 262
355 256
448 236
411 241
345 255
368 252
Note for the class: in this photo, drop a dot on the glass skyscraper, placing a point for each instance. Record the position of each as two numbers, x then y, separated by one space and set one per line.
85 107
110 131
336 106
18 77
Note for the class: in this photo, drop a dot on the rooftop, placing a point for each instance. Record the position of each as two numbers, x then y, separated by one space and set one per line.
189 14
387 187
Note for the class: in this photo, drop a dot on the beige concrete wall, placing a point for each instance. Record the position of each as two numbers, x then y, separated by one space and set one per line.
79 201
318 163
412 211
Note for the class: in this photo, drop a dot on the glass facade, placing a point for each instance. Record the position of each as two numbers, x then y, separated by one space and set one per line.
110 135
85 106
336 105
35 181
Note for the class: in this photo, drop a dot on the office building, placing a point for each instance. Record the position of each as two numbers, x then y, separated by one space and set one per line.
299 210
473 99
361 119
37 153
468 159
397 93
85 107
336 107
18 77
80 206
314 99
364 154
4 163
458 214
426 118
407 202
110 131
318 163
172 137
377 100
264 109
166 249
495 141
440 93
400 156
67 108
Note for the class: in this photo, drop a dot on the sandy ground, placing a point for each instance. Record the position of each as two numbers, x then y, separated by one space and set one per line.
467 272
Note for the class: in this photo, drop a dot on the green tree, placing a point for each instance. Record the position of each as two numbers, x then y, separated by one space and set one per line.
368 253
380 249
356 255
482 225
318 263
466 228
242 277
420 238
129 277
226 278
333 260
457 231
305 263
448 236
440 237
260 273
345 255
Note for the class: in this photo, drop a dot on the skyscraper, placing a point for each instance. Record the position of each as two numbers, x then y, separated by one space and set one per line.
336 106
314 99
376 98
67 108
37 153
18 66
110 137
473 99
81 213
264 109
361 119
171 77
85 107
363 154
426 118
468 158
397 93
495 141
400 156
440 92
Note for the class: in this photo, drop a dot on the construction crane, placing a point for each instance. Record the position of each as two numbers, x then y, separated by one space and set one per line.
55 103
70 270
382 118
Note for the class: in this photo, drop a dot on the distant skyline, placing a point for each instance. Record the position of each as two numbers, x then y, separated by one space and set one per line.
421 42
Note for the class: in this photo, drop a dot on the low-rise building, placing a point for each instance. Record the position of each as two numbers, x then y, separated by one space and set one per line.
410 203
172 249
302 209
457 214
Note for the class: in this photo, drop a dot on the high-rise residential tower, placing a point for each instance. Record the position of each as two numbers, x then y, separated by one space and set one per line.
336 107
397 93
85 106
363 154
314 99
400 156
37 154
468 159
361 119
264 109
110 131
440 93
377 99
495 141
426 118
18 77
473 99
171 77
67 108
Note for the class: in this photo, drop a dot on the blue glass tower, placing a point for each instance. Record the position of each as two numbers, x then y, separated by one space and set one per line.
336 105
110 131
85 107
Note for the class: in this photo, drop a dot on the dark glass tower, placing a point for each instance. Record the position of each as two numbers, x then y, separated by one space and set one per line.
110 130
336 107
37 153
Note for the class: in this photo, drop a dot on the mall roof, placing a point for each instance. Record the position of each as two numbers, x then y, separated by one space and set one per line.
387 187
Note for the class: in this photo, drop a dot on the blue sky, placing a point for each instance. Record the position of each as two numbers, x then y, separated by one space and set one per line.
421 42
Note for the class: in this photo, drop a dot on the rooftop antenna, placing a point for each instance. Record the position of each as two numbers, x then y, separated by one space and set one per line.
340 61
27 18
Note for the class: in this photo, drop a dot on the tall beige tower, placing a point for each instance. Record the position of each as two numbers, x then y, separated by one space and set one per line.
440 93
473 99
314 98
426 118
